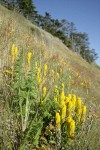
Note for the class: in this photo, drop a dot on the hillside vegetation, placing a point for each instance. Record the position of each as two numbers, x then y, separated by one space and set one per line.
49 95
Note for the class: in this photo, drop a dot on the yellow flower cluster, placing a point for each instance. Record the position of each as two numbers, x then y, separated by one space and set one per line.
58 120
29 55
41 73
72 109
14 53
38 75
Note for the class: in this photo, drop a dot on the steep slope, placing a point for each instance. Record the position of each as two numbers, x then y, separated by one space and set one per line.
78 77
16 29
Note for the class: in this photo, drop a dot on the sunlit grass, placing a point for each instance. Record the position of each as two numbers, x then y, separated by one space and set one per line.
49 94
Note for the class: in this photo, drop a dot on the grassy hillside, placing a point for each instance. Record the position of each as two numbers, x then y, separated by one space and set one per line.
42 61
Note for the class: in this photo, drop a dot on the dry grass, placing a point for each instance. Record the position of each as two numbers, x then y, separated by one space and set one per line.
14 28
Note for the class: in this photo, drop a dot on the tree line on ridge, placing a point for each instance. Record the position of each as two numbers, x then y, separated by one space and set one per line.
63 29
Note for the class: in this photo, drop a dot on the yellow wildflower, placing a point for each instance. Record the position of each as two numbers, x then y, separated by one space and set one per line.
79 102
69 96
57 75
69 108
67 100
29 57
13 47
39 79
72 128
63 113
16 52
44 91
58 120
83 115
13 55
70 105
45 67
62 95
9 72
69 119
62 103
74 100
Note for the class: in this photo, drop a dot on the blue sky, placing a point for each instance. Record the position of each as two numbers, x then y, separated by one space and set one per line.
84 13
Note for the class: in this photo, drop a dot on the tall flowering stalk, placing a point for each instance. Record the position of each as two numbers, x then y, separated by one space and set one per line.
58 125
62 96
72 128
69 108
44 91
14 54
78 109
63 113
29 55
83 114
74 101
38 75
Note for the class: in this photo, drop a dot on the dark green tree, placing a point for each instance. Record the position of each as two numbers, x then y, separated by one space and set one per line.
27 8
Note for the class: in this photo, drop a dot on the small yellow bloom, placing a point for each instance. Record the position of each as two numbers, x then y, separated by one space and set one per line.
67 100
39 79
58 120
84 110
44 91
62 96
9 72
29 57
62 103
69 119
13 47
69 105
72 128
57 75
63 113
45 67
74 101
70 96
14 53
79 102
